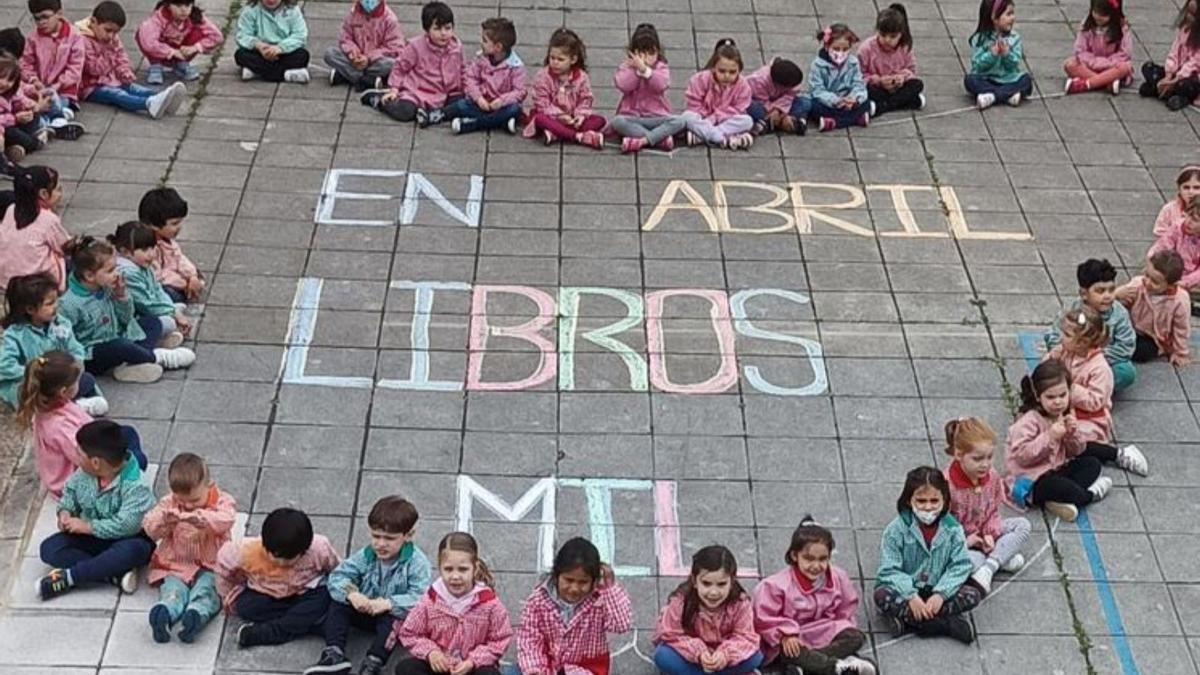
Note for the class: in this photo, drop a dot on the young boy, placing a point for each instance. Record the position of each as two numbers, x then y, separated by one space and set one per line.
100 536
191 524
427 75
164 210
107 73
1160 310
375 587
276 582
1097 290
776 101
367 47
53 60
494 83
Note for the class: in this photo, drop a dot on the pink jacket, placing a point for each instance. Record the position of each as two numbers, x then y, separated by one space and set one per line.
24 98
104 64
554 96
37 247
976 507
876 62
428 75
1172 214
783 608
1182 59
481 634
159 35
55 60
764 90
546 645
171 267
503 82
1091 392
1031 451
1165 317
1187 246
246 565
55 450
184 548
715 103
644 96
728 630
376 35
1095 52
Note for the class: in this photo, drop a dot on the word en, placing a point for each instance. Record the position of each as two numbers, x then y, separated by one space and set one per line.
415 187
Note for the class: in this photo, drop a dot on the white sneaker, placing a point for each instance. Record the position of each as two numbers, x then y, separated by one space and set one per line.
1116 88
142 373
178 96
174 359
511 127
96 406
1067 512
1131 459
156 105
1100 488
983 577
984 101
171 340
129 582
853 665
296 76
456 125
1015 564
1014 100
247 75
872 113
920 101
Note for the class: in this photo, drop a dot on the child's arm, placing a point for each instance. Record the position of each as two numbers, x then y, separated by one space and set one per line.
297 32
983 58
136 500
543 96
618 610
124 66
531 644
958 569
1123 341
419 578
891 561
694 95
230 575
413 633
247 28
1029 447
1011 59
993 525
220 517
858 86
393 41
471 79
1181 333
586 100
210 36
404 63
772 621
1192 279
626 79
69 502
345 578
12 366
499 636
517 93
671 632
149 40
69 78
847 609
742 643
346 41
160 520
818 89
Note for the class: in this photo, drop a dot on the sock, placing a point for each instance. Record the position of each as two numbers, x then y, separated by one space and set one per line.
992 564
70 578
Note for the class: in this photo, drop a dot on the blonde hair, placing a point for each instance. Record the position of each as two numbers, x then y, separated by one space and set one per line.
465 543
1085 326
965 433
45 379
187 471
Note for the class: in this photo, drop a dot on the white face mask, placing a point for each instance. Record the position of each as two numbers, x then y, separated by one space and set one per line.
838 57
927 517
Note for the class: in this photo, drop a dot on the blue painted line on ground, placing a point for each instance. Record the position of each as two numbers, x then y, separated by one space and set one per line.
1108 602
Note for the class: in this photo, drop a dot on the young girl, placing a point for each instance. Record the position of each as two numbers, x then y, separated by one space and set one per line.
562 95
1183 237
190 525
1174 212
566 621
1177 81
367 47
23 132
1049 461
996 60
776 102
708 623
717 100
888 64
100 311
31 235
1102 51
32 327
459 625
806 611
923 563
271 39
1160 310
644 117
137 247
175 33
976 491
838 89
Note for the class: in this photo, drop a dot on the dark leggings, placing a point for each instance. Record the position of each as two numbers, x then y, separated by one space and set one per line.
823 661
413 666
279 620
891 603
24 136
1146 349
404 110
907 97
271 71
1188 88
1069 483
109 355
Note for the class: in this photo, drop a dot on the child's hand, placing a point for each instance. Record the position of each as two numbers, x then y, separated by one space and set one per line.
974 541
177 55
1001 47
438 662
1165 85
43 104
716 661
188 51
917 606
1180 361
358 601
379 606
63 517
462 668
118 287
78 526
577 121
791 646
24 117
483 104
359 61
182 323
195 286
392 95
635 61
1059 428
934 605
989 544
566 119
607 577
775 117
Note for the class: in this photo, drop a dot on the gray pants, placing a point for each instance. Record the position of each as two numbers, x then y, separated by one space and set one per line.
335 58
653 129
717 134
1013 536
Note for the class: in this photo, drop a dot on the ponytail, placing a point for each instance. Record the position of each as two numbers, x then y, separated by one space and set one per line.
483 574
1049 373
28 184
87 253
45 378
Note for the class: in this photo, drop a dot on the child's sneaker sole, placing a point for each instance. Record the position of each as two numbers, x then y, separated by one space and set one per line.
1067 512
160 623
141 373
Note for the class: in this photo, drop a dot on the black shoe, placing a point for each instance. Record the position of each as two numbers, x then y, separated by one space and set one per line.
332 660
248 636
54 584
192 624
371 98
1152 72
949 626
371 665
160 623
1177 102
801 126
69 132
335 78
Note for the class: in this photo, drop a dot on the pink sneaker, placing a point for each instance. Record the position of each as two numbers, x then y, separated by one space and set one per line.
630 144
694 140
864 120
827 124
667 144
592 139
548 137
1076 85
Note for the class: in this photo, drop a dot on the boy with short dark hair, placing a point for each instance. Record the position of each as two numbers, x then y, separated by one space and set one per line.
427 75
376 586
100 514
164 209
53 60
1097 290
107 72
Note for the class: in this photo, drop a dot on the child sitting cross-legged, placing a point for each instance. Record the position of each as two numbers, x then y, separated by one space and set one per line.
428 75
107 73
175 33
494 83
1160 310
367 47
164 210
1097 291
53 62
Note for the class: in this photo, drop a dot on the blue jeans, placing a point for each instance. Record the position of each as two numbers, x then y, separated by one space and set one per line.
475 119
801 108
979 84
91 559
843 118
131 97
109 355
201 596
670 662
134 441
57 105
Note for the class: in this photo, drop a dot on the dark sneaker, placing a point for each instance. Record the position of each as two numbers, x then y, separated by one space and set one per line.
371 665
950 626
247 636
54 584
69 132
192 623
1177 102
332 660
372 97
160 623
